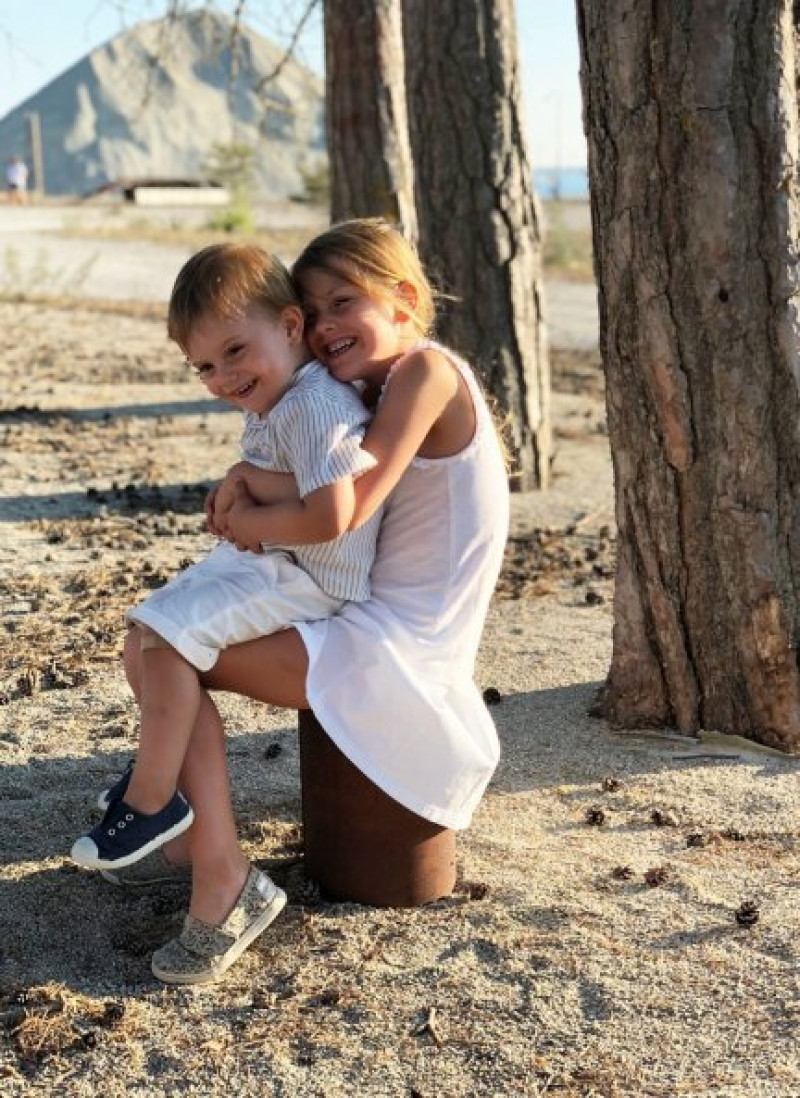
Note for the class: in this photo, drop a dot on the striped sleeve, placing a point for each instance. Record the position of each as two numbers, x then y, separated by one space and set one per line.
320 429
258 444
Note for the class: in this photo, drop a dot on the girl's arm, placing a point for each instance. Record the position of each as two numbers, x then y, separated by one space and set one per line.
322 515
421 390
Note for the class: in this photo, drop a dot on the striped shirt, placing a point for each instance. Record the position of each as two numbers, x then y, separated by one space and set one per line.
315 432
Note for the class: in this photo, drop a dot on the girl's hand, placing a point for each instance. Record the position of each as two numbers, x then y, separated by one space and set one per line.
240 510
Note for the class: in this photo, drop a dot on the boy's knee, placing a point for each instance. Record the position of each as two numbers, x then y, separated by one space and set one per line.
148 638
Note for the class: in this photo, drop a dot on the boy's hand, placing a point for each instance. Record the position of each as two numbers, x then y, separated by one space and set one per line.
221 504
209 507
240 510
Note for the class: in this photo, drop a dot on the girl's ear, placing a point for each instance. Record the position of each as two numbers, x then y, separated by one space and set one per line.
407 298
292 321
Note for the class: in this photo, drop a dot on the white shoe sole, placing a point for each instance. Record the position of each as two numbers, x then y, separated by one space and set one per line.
82 850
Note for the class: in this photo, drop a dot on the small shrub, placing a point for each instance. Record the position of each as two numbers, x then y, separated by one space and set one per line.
236 218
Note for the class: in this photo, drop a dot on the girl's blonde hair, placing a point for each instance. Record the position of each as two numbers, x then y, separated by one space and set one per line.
224 281
377 259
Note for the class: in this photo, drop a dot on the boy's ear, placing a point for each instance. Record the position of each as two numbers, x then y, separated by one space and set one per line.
406 296
292 320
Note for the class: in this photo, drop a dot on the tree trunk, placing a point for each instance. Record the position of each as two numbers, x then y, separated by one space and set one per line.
691 116
367 127
479 230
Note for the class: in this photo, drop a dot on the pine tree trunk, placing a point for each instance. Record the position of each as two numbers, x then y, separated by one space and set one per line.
691 118
367 127
479 229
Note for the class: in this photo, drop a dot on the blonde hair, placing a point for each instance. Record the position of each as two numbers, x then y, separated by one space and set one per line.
224 281
377 259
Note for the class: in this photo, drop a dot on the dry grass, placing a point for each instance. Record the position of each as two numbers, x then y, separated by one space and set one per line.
286 241
47 1024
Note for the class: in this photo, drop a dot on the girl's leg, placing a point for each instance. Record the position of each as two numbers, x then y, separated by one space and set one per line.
271 669
219 865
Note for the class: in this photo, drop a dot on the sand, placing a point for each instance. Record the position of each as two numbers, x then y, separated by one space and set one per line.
592 947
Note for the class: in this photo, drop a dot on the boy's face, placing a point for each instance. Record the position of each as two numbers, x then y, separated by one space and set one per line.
248 360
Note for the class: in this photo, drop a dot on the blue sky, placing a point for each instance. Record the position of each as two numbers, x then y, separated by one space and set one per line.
41 38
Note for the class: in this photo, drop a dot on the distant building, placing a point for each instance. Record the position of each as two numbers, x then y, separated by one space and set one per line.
155 100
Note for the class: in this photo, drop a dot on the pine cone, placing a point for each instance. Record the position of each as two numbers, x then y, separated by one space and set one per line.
658 875
747 913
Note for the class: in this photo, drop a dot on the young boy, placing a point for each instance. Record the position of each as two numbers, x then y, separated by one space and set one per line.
234 313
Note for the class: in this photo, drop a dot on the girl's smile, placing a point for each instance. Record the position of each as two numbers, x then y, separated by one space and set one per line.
339 346
356 336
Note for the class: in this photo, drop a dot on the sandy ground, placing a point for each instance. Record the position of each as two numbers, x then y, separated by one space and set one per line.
592 947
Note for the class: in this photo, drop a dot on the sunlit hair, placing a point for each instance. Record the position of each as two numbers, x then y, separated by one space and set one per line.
375 258
225 281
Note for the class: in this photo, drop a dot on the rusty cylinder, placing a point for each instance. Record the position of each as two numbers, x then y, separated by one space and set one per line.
360 845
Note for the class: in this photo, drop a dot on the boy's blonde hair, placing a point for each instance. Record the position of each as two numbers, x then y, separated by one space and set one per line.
224 281
375 258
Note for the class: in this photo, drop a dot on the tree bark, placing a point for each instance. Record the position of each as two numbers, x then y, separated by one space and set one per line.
479 227
367 126
691 116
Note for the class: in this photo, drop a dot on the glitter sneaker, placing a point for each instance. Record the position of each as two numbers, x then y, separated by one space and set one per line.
202 953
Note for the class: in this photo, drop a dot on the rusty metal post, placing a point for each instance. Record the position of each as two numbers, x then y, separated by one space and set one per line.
360 845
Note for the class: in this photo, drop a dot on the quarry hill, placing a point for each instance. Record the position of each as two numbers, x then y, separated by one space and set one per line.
157 98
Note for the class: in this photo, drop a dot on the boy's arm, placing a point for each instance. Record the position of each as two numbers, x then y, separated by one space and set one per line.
418 394
322 515
264 485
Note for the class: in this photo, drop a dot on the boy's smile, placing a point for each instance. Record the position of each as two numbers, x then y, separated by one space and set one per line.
248 360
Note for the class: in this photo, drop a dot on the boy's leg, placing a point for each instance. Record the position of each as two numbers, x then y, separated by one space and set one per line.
272 669
169 701
177 852
219 865
150 811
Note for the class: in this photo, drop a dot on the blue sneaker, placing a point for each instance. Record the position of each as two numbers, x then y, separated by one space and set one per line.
117 791
125 836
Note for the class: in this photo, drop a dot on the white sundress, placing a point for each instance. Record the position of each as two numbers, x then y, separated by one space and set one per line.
391 679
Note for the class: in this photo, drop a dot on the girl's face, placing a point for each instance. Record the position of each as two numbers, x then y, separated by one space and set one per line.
249 360
357 337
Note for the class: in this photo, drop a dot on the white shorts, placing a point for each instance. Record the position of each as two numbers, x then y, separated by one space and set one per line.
230 597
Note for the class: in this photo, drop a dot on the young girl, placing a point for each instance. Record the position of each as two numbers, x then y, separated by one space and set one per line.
390 679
